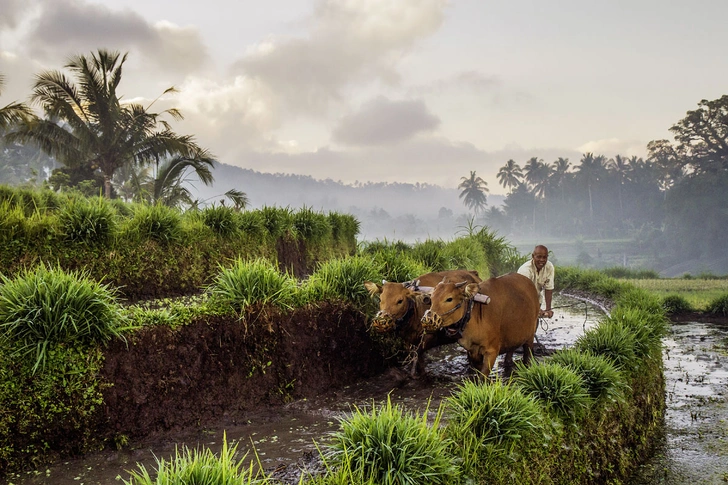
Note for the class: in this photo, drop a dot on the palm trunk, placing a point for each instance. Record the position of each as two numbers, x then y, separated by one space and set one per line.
107 186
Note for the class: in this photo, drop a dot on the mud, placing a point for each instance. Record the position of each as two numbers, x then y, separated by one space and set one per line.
284 437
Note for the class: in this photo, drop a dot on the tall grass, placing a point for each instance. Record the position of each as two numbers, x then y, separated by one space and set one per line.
312 226
156 222
343 279
46 307
222 220
495 413
278 221
247 283
388 446
200 467
559 389
601 379
612 341
90 221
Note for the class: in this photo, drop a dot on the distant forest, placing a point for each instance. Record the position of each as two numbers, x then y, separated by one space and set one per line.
672 205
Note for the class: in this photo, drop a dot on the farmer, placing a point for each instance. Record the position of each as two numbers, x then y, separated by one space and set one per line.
541 271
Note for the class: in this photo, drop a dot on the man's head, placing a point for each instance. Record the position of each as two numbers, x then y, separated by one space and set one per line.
540 256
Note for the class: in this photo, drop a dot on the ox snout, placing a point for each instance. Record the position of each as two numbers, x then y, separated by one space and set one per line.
382 323
431 321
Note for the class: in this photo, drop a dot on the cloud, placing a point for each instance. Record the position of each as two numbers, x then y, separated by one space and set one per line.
349 43
472 81
12 11
614 146
74 27
382 122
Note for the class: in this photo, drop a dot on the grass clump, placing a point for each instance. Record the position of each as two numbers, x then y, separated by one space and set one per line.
495 413
559 389
646 327
397 266
676 304
387 446
45 307
157 222
89 221
718 306
601 379
311 226
278 221
247 283
343 279
612 341
222 220
199 467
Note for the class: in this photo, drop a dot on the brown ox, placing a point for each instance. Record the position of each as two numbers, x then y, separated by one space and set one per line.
506 322
401 308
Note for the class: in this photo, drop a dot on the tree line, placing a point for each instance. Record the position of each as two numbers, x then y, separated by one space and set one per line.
675 200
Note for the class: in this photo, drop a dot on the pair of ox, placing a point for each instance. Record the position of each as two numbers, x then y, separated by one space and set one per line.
487 318
402 306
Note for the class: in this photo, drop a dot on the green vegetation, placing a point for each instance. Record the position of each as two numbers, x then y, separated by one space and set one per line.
389 446
697 292
45 308
200 467
556 387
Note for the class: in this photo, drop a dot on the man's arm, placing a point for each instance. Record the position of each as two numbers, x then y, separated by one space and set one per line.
548 312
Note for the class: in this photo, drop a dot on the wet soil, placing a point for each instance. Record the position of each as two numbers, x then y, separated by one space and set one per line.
283 434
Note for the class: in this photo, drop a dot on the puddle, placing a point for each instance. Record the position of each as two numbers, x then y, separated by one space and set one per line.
284 438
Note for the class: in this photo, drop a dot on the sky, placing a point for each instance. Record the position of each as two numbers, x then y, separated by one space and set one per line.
411 91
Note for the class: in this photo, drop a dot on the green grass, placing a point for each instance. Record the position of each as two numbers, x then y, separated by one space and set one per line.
389 446
697 292
47 307
200 467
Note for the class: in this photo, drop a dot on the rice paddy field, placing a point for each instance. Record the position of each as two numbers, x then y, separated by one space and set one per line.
698 292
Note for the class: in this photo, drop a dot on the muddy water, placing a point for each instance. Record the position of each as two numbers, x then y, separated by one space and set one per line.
284 439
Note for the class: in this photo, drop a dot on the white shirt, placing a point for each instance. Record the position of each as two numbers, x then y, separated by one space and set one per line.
544 280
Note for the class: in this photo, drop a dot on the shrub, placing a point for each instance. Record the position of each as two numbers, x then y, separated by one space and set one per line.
90 221
199 467
601 379
558 388
612 341
718 306
45 307
253 282
388 446
496 413
221 220
156 222
676 304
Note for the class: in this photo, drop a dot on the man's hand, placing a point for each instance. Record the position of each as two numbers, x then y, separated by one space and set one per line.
546 313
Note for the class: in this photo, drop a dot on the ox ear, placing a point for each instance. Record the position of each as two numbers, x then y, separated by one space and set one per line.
460 285
372 288
425 298
471 290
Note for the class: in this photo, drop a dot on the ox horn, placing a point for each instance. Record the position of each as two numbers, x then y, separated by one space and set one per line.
460 285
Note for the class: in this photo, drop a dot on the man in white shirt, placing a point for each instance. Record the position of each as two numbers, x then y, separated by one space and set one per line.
541 271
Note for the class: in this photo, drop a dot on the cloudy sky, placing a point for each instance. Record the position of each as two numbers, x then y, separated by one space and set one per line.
392 90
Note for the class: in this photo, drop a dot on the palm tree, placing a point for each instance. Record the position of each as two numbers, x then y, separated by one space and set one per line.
537 175
87 124
560 173
619 167
590 171
12 113
474 190
510 175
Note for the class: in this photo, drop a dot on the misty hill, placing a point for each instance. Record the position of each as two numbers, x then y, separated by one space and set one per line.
406 212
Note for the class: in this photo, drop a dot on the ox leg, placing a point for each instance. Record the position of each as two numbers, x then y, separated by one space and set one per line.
527 352
508 360
487 361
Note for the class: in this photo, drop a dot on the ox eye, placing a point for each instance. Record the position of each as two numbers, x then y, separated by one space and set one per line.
449 299
399 302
